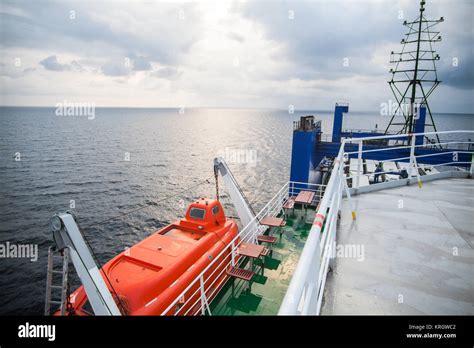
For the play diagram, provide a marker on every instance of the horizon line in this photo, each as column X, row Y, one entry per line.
column 215, row 107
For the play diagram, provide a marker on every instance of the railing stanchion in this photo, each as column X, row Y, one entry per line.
column 232, row 249
column 349, row 199
column 412, row 156
column 359, row 165
column 204, row 303
column 417, row 172
column 472, row 164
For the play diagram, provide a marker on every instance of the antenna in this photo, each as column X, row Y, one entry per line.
column 414, row 77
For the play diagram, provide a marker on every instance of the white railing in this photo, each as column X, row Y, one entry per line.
column 413, row 161
column 306, row 289
column 361, row 130
column 196, row 297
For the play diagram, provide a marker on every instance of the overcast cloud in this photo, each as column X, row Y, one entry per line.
column 218, row 53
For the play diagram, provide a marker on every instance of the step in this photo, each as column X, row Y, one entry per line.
column 266, row 239
column 240, row 273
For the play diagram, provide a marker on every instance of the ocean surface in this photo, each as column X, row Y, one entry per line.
column 123, row 158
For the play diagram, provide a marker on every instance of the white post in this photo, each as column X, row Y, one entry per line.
column 412, row 156
column 472, row 164
column 359, row 165
column 204, row 303
column 332, row 245
column 233, row 254
column 417, row 172
column 349, row 200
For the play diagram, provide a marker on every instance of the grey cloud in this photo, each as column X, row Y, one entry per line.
column 112, row 68
column 167, row 72
column 9, row 70
column 48, row 25
column 322, row 34
column 236, row 37
column 460, row 75
column 51, row 63
column 77, row 66
column 126, row 67
column 141, row 64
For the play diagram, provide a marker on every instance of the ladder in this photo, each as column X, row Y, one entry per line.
column 64, row 256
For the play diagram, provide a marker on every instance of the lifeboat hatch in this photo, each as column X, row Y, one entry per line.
column 187, row 236
column 162, row 244
column 129, row 271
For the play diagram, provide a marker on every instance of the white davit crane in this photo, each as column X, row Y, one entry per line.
column 243, row 207
column 67, row 235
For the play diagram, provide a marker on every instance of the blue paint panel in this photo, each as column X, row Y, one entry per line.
column 337, row 125
column 304, row 144
column 420, row 125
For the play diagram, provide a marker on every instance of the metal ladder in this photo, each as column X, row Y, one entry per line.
column 64, row 255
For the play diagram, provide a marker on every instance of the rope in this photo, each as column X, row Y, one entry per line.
column 216, row 177
column 146, row 205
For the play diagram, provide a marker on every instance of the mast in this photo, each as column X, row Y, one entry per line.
column 414, row 77
column 415, row 73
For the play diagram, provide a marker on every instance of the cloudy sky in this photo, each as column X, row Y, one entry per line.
column 223, row 54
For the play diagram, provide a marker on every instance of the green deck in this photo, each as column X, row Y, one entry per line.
column 267, row 290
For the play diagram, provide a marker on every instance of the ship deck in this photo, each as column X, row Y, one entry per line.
column 267, row 290
column 418, row 252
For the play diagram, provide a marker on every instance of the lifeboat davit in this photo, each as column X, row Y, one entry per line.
column 150, row 275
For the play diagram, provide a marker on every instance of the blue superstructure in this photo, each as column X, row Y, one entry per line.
column 309, row 159
column 304, row 159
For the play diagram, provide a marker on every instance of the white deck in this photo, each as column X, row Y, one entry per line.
column 418, row 258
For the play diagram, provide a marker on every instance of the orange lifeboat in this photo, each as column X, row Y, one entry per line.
column 150, row 275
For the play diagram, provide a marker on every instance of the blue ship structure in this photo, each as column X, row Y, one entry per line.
column 312, row 157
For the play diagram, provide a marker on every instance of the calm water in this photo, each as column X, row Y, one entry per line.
column 73, row 158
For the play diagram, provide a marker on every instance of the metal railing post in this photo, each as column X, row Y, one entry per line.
column 204, row 303
column 232, row 250
column 471, row 170
column 412, row 155
column 359, row 165
column 417, row 172
column 349, row 200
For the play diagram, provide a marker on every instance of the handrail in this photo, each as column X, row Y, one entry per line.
column 393, row 136
column 306, row 289
column 398, row 147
